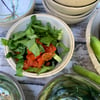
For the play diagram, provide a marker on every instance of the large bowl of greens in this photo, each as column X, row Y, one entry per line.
column 39, row 45
column 70, row 87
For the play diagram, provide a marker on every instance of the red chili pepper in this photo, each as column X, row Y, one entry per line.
column 47, row 64
column 26, row 65
column 47, row 56
column 40, row 61
column 16, row 59
column 38, row 41
column 51, row 48
column 29, row 52
column 32, row 61
column 17, row 52
column 30, row 57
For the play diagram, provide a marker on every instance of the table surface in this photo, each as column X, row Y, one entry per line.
column 32, row 86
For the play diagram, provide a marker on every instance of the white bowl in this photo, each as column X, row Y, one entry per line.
column 22, row 8
column 71, row 10
column 68, row 40
column 75, row 3
column 93, row 28
column 65, row 15
column 67, row 18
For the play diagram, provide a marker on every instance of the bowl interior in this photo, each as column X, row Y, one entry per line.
column 11, row 10
column 66, row 83
column 93, row 28
column 68, row 40
column 10, row 88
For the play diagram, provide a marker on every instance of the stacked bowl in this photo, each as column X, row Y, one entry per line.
column 70, row 11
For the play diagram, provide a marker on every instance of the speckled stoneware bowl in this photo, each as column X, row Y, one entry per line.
column 67, row 39
column 69, row 87
column 69, row 19
column 13, row 10
column 71, row 10
column 93, row 28
column 10, row 88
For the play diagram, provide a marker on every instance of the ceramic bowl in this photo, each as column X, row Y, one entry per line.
column 71, row 10
column 75, row 3
column 68, row 40
column 65, row 15
column 93, row 28
column 66, row 83
column 12, row 11
column 67, row 18
column 10, row 88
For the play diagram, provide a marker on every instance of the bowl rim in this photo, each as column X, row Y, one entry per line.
column 90, row 51
column 15, row 83
column 68, row 75
column 75, row 6
column 54, row 71
column 57, row 4
column 16, row 19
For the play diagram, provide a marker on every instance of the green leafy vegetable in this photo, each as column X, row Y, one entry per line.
column 46, row 40
column 63, row 48
column 45, row 69
column 19, row 67
column 33, row 47
column 4, row 42
column 18, row 35
column 9, row 54
column 39, row 71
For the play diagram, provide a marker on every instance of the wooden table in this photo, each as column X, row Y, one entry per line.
column 32, row 86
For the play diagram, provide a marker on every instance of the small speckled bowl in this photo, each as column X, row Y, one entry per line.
column 10, row 88
column 70, row 10
column 59, row 81
column 67, row 39
column 13, row 10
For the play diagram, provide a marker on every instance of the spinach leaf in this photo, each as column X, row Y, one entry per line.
column 46, row 40
column 34, row 70
column 43, row 28
column 11, row 44
column 38, row 70
column 63, row 48
column 55, row 33
column 19, row 67
column 4, row 41
column 35, row 21
column 41, row 48
column 33, row 47
column 9, row 54
column 45, row 69
column 29, row 32
column 18, row 35
column 22, row 41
